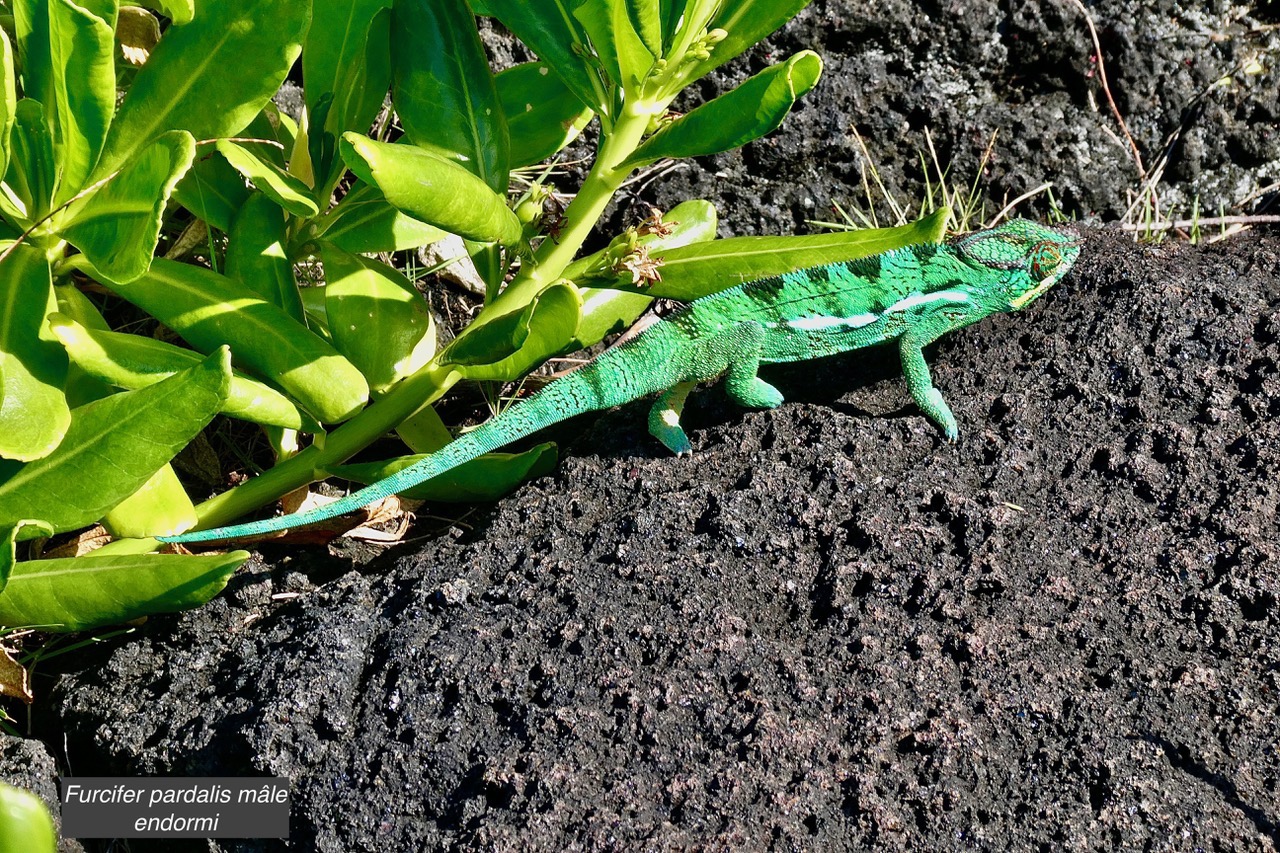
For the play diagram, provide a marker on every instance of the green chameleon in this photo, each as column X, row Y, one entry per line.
column 911, row 295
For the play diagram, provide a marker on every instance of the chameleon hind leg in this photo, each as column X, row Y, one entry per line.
column 920, row 383
column 664, row 418
column 739, row 349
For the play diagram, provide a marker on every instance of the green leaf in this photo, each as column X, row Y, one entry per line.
column 347, row 55
column 10, row 535
column 550, row 31
column 486, row 478
column 671, row 11
column 112, row 447
column 161, row 507
column 178, row 11
column 364, row 222
column 433, row 190
column 646, row 20
column 704, row 268
column 615, row 40
column 284, row 189
column 212, row 190
column 737, row 117
column 209, row 310
column 509, row 346
column 32, row 171
column 80, row 593
column 543, row 116
column 377, row 318
column 270, row 136
column 68, row 58
column 118, row 226
column 256, row 254
column 443, row 89
column 25, row 823
column 34, row 414
column 132, row 362
column 8, row 98
column 209, row 77
column 745, row 22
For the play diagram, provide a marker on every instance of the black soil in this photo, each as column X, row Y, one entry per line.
column 828, row 629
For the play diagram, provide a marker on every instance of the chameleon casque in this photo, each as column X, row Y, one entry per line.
column 910, row 296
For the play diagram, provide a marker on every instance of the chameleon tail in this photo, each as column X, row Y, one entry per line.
column 595, row 386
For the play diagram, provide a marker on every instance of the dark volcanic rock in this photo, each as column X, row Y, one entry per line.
column 828, row 629
column 962, row 69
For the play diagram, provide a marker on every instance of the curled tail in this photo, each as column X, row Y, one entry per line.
column 611, row 380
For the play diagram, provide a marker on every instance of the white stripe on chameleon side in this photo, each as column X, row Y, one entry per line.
column 817, row 324
column 918, row 299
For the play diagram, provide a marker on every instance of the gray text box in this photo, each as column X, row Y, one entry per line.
column 175, row 807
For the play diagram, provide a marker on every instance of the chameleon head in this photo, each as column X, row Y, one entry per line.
column 1035, row 257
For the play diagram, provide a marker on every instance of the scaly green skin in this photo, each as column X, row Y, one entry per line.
column 912, row 296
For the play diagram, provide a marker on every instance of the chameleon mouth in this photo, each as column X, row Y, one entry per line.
column 1034, row 293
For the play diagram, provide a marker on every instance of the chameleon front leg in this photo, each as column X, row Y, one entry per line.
column 744, row 343
column 920, row 383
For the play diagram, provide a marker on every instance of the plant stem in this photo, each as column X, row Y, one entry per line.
column 422, row 388
column 582, row 215
column 432, row 381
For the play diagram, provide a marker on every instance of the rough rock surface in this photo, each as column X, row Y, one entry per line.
column 829, row 629
column 1181, row 74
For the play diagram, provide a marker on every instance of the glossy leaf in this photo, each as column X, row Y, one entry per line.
column 8, row 97
column 364, row 222
column 376, row 317
column 613, row 36
column 112, row 447
column 745, row 23
column 270, row 136
column 443, row 89
column 25, row 823
column 347, row 55
column 508, row 347
column 132, row 362
column 159, row 508
column 486, row 478
column 748, row 112
column 32, row 171
column 118, row 226
column 68, row 58
column 704, row 268
column 284, row 189
column 256, row 254
column 543, row 116
column 80, row 593
column 212, row 190
column 33, row 409
column 432, row 189
column 646, row 19
column 209, row 77
column 550, row 31
column 209, row 310
column 178, row 11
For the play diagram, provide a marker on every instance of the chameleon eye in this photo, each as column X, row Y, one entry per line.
column 1045, row 260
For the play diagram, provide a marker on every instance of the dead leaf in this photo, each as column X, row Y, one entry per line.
column 13, row 678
